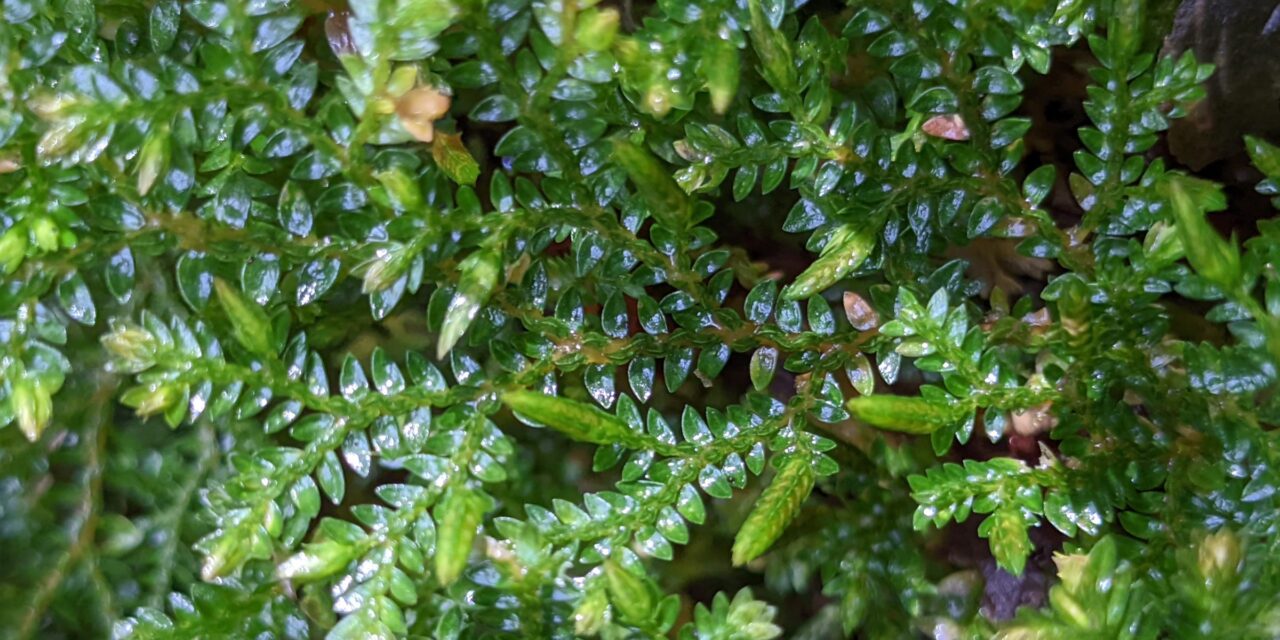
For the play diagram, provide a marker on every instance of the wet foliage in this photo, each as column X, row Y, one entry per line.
column 555, row 318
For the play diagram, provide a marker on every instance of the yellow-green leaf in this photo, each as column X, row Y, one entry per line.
column 249, row 322
column 459, row 515
column 597, row 28
column 774, row 51
column 577, row 420
column 386, row 266
column 721, row 69
column 907, row 414
column 453, row 158
column 1210, row 255
column 228, row 551
column 13, row 248
column 1006, row 533
column 774, row 510
column 1265, row 156
column 667, row 201
column 588, row 616
column 848, row 248
column 316, row 560
column 401, row 189
column 153, row 158
column 32, row 405
column 630, row 594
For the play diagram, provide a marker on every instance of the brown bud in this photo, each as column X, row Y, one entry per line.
column 1034, row 421
column 1039, row 318
column 859, row 312
column 1016, row 227
column 418, row 110
column 948, row 127
column 10, row 163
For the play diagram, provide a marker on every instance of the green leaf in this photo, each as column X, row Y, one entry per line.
column 759, row 303
column 401, row 189
column 1006, row 532
column 632, row 596
column 120, row 276
column 1209, row 254
column 1038, row 184
column 667, row 201
column 861, row 375
column 163, row 25
column 315, row 278
column 478, row 277
column 458, row 515
column 866, row 22
column 712, row 480
column 13, row 249
column 821, row 320
column 986, row 213
column 360, row 626
column 640, row 375
column 589, row 615
column 613, row 316
column 195, row 282
column 675, row 368
column 994, row 79
column 596, row 28
column 722, row 73
column 935, row 100
column 774, row 51
column 74, row 296
column 689, row 504
column 711, row 361
column 249, row 322
column 260, row 277
column 294, row 211
column 227, row 553
column 316, row 560
column 774, row 510
column 32, row 404
column 850, row 245
column 763, row 362
column 495, row 108
column 743, row 618
column 1265, row 156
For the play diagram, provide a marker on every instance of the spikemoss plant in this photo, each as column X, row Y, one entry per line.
column 463, row 318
